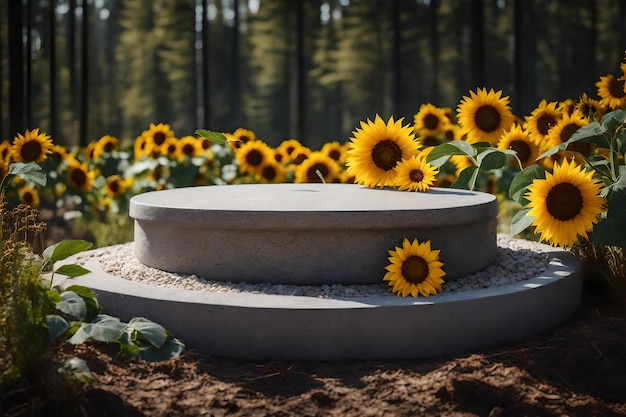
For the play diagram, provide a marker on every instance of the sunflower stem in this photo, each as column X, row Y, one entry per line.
column 319, row 174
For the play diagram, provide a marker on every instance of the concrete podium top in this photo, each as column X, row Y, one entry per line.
column 289, row 203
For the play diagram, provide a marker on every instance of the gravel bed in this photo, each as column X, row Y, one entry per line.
column 517, row 260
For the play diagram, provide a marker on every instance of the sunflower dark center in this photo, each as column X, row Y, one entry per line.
column 269, row 173
column 487, row 118
column 564, row 201
column 278, row 157
column 114, row 186
column 430, row 140
column 544, row 123
column 188, row 149
column 244, row 138
column 109, row 147
column 312, row 176
column 28, row 198
column 206, row 144
column 416, row 175
column 568, row 131
column 31, row 150
column 386, row 154
column 300, row 158
column 616, row 88
column 449, row 134
column 431, row 121
column 78, row 176
column 522, row 149
column 415, row 269
column 335, row 154
column 171, row 148
column 254, row 157
column 159, row 138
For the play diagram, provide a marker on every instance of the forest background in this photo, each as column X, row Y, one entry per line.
column 307, row 69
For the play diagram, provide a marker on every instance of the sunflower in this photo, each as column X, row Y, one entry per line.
column 623, row 77
column 484, row 116
column 428, row 139
column 335, row 150
column 31, row 147
column 588, row 106
column 252, row 155
column 288, row 146
column 430, row 119
column 170, row 148
column 59, row 153
column 190, row 147
column 612, row 92
column 567, row 106
column 240, row 137
column 116, row 185
column 105, row 145
column 5, row 150
column 415, row 269
column 317, row 161
column 28, row 195
column 415, row 174
column 140, row 147
column 300, row 154
column 156, row 136
column 452, row 131
column 565, row 128
column 521, row 142
column 376, row 148
column 79, row 175
column 541, row 119
column 272, row 172
column 565, row 204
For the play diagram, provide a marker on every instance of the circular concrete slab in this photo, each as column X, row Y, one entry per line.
column 308, row 233
column 261, row 326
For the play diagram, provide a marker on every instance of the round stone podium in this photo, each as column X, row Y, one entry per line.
column 309, row 234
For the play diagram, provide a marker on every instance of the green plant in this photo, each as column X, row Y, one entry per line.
column 35, row 313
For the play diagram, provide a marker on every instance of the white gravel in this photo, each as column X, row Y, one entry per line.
column 517, row 260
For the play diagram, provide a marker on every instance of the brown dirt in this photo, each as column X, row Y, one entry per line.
column 578, row 369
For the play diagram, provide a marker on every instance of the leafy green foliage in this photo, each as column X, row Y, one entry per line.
column 214, row 137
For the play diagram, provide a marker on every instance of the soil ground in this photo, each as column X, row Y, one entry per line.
column 578, row 369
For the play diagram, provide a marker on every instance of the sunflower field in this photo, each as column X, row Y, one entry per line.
column 558, row 172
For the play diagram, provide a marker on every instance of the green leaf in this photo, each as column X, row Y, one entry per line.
column 93, row 306
column 612, row 120
column 64, row 249
column 56, row 325
column 494, row 159
column 103, row 329
column 467, row 178
column 152, row 332
column 440, row 153
column 169, row 350
column 72, row 304
column 522, row 180
column 521, row 221
column 72, row 270
column 77, row 369
column 214, row 137
column 30, row 172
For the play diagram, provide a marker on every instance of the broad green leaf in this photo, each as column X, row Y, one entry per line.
column 72, row 304
column 445, row 150
column 612, row 120
column 522, row 180
column 93, row 306
column 467, row 178
column 57, row 326
column 169, row 350
column 72, row 270
column 493, row 159
column 64, row 249
column 214, row 137
column 77, row 369
column 53, row 296
column 610, row 232
column 521, row 221
column 152, row 332
column 30, row 172
column 103, row 329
